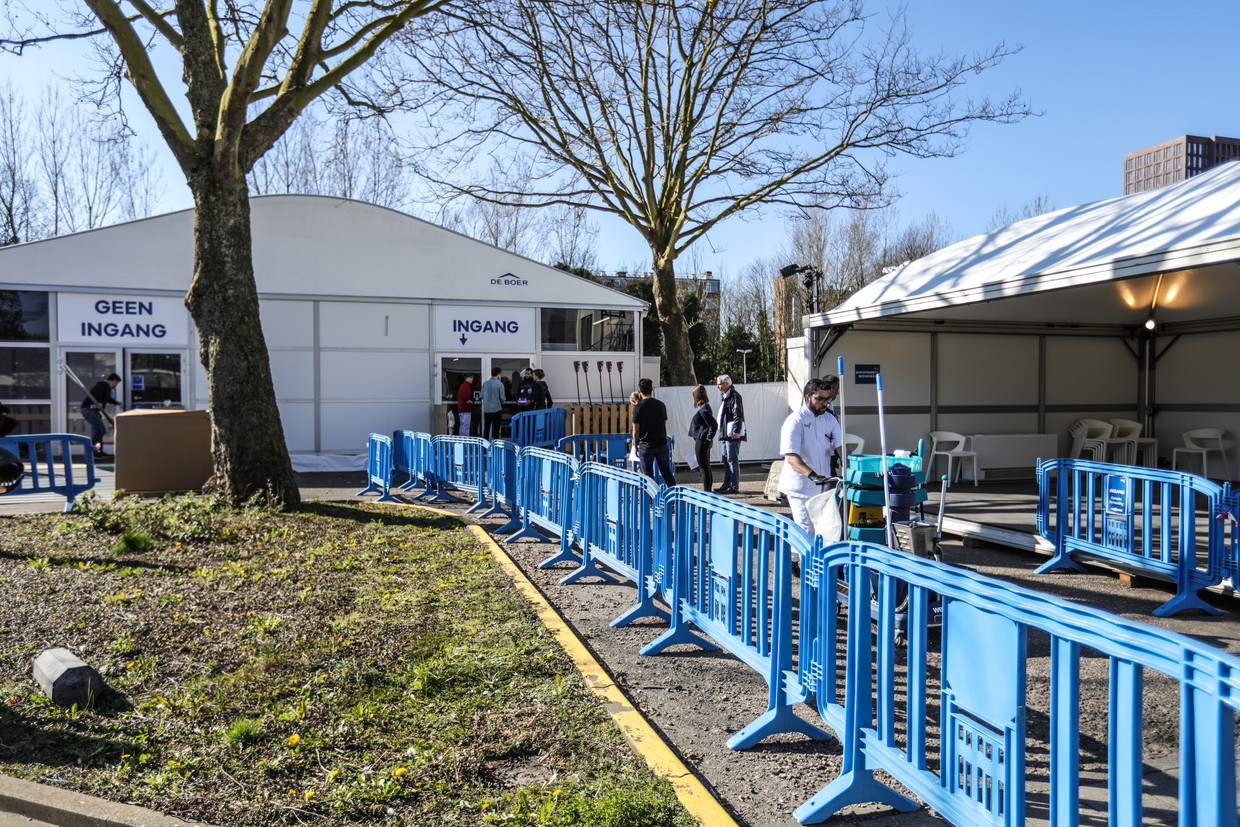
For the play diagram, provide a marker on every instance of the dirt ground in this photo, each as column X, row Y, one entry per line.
column 698, row 699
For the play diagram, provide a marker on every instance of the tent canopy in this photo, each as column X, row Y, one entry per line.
column 1103, row 268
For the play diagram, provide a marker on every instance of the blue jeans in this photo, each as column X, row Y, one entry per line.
column 648, row 458
column 95, row 419
column 731, row 463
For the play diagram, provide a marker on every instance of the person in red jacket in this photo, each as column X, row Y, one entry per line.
column 465, row 405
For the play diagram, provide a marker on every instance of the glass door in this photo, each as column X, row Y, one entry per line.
column 153, row 379
column 82, row 369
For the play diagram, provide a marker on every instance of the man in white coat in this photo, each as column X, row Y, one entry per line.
column 808, row 440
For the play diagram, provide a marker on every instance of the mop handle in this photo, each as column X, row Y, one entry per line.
column 942, row 502
column 839, row 374
column 882, row 441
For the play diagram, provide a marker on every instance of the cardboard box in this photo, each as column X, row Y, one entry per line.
column 163, row 451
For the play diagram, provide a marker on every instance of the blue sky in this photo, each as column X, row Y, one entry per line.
column 1109, row 77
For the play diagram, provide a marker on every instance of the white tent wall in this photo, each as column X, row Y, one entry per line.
column 1197, row 388
column 766, row 408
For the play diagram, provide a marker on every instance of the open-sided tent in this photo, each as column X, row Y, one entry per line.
column 1027, row 328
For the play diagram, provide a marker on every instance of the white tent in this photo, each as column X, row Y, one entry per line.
column 1032, row 326
column 371, row 317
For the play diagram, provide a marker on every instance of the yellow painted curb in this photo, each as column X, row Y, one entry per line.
column 637, row 730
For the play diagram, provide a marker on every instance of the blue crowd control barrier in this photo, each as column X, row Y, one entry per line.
column 402, row 459
column 1140, row 518
column 545, row 488
column 732, row 578
column 49, row 464
column 423, row 458
column 616, row 527
column 379, row 468
column 658, row 475
column 460, row 463
column 608, row 449
column 502, row 480
column 539, row 429
column 983, row 699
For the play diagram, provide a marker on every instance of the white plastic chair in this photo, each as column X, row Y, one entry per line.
column 1144, row 447
column 1202, row 441
column 853, row 444
column 1116, row 449
column 955, row 449
column 1083, row 443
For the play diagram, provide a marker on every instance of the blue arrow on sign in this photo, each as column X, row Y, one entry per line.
column 462, row 340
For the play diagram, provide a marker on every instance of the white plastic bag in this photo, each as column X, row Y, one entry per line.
column 824, row 513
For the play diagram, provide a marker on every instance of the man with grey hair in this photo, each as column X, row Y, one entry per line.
column 731, row 434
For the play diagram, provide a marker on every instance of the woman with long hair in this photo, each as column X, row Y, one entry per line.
column 702, row 429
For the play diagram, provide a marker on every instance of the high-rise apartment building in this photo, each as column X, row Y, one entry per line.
column 1183, row 157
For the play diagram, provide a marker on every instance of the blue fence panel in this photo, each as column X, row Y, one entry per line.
column 502, row 480
column 48, row 461
column 1139, row 518
column 607, row 449
column 379, row 468
column 423, row 455
column 460, row 463
column 982, row 699
column 545, row 488
column 539, row 429
column 402, row 459
column 732, row 578
column 616, row 528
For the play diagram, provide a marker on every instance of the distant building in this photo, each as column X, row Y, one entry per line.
column 704, row 285
column 1171, row 161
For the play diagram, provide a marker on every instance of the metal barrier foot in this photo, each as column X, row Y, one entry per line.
column 852, row 787
column 645, row 607
column 673, row 636
column 1185, row 602
column 565, row 555
column 773, row 722
column 588, row 569
column 514, row 522
column 1059, row 561
column 527, row 532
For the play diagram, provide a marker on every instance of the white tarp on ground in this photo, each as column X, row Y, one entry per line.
column 766, row 408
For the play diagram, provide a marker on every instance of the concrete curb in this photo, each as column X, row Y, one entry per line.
column 642, row 737
column 65, row 808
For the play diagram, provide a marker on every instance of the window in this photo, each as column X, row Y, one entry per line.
column 25, row 373
column 24, row 316
column 1158, row 155
column 571, row 329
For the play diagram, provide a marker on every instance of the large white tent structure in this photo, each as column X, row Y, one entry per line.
column 1030, row 327
column 372, row 318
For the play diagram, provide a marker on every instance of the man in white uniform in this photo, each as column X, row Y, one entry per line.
column 809, row 438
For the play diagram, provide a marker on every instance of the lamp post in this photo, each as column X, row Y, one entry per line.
column 744, row 352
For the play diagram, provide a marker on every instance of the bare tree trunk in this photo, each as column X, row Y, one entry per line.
column 676, row 348
column 247, row 439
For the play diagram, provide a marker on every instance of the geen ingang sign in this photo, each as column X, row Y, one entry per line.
column 122, row 320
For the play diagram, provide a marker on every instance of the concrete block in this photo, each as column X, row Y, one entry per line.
column 66, row 679
column 771, row 490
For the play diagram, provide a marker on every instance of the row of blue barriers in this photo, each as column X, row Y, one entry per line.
column 724, row 568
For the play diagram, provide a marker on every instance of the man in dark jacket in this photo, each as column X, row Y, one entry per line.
column 542, row 394
column 650, row 434
column 96, row 400
column 731, row 434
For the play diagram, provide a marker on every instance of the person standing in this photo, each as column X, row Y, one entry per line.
column 650, row 434
column 99, row 397
column 731, row 434
column 809, row 440
column 492, row 404
column 525, row 391
column 542, row 394
column 702, row 428
column 465, row 405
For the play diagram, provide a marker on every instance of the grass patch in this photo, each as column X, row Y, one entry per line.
column 339, row 664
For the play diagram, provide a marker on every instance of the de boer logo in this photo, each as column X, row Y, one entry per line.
column 509, row 280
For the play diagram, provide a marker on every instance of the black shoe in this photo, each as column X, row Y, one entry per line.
column 723, row 489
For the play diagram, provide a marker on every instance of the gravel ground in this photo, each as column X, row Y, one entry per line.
column 698, row 699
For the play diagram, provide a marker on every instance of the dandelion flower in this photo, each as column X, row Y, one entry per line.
column 399, row 771
column 294, row 739
column 309, row 794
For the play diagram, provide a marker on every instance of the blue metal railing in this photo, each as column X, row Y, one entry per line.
column 379, row 468
column 545, row 487
column 732, row 578
column 48, row 460
column 608, row 449
column 539, row 429
column 1139, row 518
column 460, row 463
column 502, row 482
column 616, row 528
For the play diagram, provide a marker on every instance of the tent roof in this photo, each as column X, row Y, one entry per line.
column 309, row 245
column 1174, row 250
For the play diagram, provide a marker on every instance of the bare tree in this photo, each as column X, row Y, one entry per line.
column 677, row 116
column 572, row 237
column 19, row 191
column 1037, row 205
column 247, row 73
